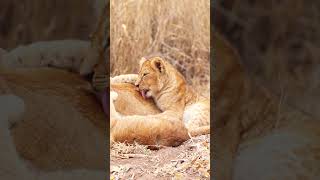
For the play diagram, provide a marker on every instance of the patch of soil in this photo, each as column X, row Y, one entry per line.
column 191, row 160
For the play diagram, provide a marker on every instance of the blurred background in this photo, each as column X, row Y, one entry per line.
column 178, row 30
column 27, row 21
column 279, row 44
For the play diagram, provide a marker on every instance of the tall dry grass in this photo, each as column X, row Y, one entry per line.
column 177, row 29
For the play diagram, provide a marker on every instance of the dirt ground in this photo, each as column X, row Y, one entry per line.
column 191, row 160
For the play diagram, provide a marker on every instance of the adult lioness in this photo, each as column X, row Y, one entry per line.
column 167, row 87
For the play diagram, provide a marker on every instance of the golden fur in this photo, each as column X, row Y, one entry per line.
column 161, row 82
column 127, row 96
column 46, row 134
column 158, row 129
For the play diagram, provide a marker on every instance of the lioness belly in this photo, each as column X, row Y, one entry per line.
column 130, row 102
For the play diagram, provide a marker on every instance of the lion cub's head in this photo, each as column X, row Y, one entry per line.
column 153, row 76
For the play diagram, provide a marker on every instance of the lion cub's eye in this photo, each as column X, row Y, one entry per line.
column 144, row 74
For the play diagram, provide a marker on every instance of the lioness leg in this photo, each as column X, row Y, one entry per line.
column 124, row 78
column 202, row 130
column 161, row 129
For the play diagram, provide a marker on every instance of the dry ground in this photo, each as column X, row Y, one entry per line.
column 191, row 160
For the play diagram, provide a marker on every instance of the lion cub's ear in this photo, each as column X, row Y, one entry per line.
column 142, row 60
column 158, row 64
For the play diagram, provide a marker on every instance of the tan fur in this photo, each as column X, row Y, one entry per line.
column 164, row 129
column 161, row 129
column 173, row 99
column 55, row 101
column 197, row 108
column 130, row 102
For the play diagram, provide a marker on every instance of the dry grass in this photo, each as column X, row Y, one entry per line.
column 178, row 30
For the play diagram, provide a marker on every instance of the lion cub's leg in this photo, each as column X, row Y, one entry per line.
column 197, row 118
column 124, row 78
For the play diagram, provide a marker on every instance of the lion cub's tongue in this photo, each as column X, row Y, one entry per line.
column 143, row 93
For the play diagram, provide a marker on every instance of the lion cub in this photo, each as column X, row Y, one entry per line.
column 160, row 81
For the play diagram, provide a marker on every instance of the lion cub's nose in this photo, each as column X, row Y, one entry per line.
column 137, row 83
column 137, row 86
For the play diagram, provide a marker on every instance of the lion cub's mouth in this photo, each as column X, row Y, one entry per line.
column 145, row 93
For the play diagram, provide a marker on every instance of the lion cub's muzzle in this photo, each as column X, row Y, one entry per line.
column 145, row 92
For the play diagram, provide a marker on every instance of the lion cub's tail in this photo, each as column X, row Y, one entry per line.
column 203, row 130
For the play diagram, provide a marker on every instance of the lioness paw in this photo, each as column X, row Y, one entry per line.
column 125, row 78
